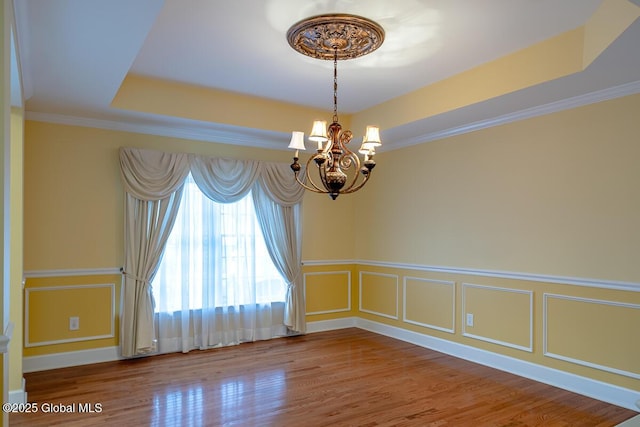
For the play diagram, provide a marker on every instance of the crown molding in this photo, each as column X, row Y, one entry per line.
column 176, row 128
column 259, row 138
column 540, row 110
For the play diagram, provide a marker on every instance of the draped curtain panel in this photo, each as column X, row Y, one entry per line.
column 279, row 216
column 153, row 183
column 147, row 227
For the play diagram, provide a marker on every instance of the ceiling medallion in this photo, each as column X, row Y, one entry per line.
column 321, row 36
column 340, row 170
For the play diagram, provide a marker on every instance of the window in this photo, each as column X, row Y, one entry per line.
column 215, row 257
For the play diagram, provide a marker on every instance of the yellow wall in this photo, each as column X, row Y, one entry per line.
column 555, row 194
column 544, row 61
column 552, row 195
column 174, row 99
column 73, row 223
column 606, row 24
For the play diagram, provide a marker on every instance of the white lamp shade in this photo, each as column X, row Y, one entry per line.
column 297, row 140
column 319, row 131
column 368, row 148
column 372, row 137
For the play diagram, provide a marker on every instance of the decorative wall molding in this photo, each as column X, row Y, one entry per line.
column 320, row 273
column 320, row 263
column 585, row 386
column 71, row 272
column 463, row 310
column 372, row 273
column 405, row 319
column 565, row 358
column 544, row 278
column 27, row 293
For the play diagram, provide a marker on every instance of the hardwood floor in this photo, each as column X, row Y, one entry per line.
column 348, row 377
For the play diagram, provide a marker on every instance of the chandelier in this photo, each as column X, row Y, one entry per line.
column 335, row 37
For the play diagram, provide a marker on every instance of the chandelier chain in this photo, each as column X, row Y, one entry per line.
column 335, row 84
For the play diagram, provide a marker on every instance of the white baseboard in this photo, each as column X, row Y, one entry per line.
column 632, row 422
column 18, row 396
column 330, row 325
column 71, row 358
column 613, row 394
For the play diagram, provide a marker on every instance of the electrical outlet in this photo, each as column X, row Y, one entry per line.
column 74, row 323
column 469, row 319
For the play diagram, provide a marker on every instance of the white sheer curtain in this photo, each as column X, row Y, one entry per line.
column 156, row 179
column 228, row 290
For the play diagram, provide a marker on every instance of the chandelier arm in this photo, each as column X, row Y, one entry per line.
column 354, row 189
column 353, row 161
column 347, row 157
column 316, row 189
column 308, row 173
column 305, row 186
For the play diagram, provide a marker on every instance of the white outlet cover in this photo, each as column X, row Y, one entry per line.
column 469, row 319
column 74, row 323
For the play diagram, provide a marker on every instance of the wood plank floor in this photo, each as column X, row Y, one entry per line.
column 347, row 377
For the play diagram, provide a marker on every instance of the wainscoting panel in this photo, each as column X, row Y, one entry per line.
column 379, row 294
column 429, row 303
column 595, row 333
column 48, row 309
column 327, row 292
column 500, row 315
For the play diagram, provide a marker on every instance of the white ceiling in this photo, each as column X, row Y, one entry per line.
column 76, row 53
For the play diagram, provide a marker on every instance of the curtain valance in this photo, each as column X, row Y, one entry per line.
column 150, row 174
column 154, row 175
